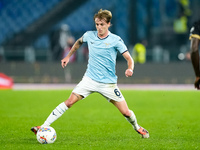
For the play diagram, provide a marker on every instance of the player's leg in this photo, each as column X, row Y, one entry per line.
column 82, row 90
column 114, row 95
column 128, row 114
column 130, row 117
column 59, row 110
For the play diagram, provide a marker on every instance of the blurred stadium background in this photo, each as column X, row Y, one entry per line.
column 36, row 34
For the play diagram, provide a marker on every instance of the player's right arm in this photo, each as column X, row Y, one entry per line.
column 74, row 48
column 194, row 51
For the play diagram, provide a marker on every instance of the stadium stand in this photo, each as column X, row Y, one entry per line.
column 25, row 21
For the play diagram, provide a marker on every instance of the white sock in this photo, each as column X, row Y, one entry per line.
column 133, row 121
column 56, row 113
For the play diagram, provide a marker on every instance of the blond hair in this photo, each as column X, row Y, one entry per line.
column 103, row 14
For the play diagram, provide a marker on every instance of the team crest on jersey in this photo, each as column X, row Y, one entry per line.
column 107, row 44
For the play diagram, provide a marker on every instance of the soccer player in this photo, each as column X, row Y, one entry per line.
column 100, row 74
column 194, row 51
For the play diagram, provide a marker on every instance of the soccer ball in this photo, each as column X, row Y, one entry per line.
column 46, row 135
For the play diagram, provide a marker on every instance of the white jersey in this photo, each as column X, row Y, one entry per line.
column 102, row 56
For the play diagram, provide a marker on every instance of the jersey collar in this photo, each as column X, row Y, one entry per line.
column 104, row 37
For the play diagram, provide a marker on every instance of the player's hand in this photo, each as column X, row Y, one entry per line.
column 197, row 83
column 128, row 72
column 64, row 62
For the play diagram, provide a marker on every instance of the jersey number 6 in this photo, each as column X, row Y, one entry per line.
column 117, row 92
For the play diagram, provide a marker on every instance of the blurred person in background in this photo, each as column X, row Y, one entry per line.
column 139, row 52
column 70, row 42
column 100, row 75
column 181, row 23
column 194, row 51
column 58, row 40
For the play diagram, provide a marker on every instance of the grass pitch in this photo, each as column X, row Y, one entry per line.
column 171, row 117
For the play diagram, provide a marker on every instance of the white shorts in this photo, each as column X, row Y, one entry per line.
column 87, row 86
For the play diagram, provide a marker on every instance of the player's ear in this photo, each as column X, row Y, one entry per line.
column 109, row 24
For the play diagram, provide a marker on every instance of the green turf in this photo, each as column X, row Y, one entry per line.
column 171, row 117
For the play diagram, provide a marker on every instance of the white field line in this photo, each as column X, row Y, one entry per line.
column 176, row 87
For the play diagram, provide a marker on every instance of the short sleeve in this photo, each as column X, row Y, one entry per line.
column 120, row 46
column 85, row 37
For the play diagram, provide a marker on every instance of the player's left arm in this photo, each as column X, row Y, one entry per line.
column 130, row 64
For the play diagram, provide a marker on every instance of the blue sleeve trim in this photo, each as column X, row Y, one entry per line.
column 124, row 51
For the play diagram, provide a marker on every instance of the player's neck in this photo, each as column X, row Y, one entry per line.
column 104, row 35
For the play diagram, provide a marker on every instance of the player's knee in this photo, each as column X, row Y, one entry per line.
column 69, row 103
column 72, row 99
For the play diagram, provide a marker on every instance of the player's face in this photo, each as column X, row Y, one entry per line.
column 102, row 27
